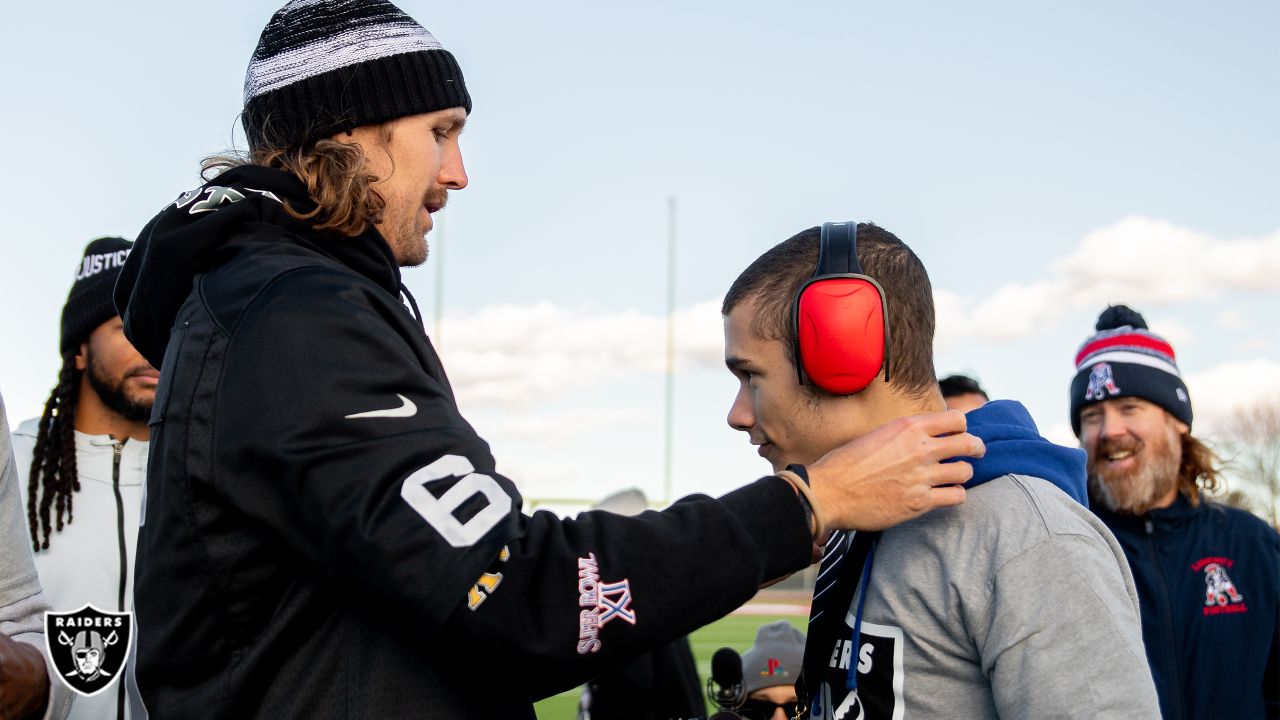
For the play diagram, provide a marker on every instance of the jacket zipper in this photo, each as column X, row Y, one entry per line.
column 118, row 450
column 1166, row 604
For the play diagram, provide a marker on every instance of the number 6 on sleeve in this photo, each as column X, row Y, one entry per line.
column 439, row 511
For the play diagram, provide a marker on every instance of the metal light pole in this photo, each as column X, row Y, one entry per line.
column 671, row 347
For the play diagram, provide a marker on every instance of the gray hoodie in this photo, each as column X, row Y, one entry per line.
column 1017, row 604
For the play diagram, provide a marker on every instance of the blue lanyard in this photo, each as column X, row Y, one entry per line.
column 852, row 683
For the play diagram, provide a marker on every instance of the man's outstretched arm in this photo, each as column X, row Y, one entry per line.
column 895, row 472
column 409, row 507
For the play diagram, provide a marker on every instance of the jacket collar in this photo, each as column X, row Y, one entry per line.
column 95, row 458
column 207, row 227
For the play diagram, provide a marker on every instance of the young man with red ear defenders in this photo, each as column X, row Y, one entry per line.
column 1017, row 604
column 839, row 321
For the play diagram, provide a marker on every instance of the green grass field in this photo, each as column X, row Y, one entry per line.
column 735, row 631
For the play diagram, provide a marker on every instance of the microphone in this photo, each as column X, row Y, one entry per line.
column 726, row 672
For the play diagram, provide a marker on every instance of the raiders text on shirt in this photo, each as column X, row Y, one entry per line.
column 70, row 621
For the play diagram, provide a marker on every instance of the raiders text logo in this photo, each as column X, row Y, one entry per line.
column 88, row 647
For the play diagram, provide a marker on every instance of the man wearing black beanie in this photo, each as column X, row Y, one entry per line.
column 1207, row 574
column 84, row 460
column 324, row 535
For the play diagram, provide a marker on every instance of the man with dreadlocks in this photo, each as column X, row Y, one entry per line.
column 85, row 458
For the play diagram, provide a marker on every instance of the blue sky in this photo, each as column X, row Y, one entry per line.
column 1042, row 159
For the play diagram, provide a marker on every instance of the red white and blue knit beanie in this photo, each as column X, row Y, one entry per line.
column 325, row 66
column 1125, row 359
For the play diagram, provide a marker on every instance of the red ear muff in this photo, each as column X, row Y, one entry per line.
column 840, row 324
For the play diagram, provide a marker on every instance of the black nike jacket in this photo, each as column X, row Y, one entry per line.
column 324, row 536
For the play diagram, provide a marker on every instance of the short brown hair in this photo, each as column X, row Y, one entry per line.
column 776, row 276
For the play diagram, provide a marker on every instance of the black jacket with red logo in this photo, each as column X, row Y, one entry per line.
column 1208, row 581
column 324, row 536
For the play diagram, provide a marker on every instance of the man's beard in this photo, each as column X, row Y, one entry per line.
column 113, row 394
column 409, row 243
column 1136, row 491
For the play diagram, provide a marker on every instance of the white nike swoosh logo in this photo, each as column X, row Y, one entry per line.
column 408, row 409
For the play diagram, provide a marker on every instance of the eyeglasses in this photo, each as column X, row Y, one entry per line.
column 764, row 709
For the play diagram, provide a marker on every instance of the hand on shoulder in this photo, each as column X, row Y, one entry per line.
column 894, row 473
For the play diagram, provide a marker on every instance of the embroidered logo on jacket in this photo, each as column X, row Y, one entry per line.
column 1100, row 380
column 603, row 602
column 1220, row 594
column 488, row 582
column 88, row 647
column 215, row 197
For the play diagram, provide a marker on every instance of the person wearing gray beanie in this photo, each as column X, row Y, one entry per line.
column 770, row 670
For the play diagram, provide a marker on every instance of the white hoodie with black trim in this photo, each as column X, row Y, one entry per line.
column 90, row 561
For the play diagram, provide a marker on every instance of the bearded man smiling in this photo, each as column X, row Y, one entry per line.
column 1206, row 574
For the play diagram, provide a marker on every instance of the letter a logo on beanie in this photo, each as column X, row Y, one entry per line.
column 1100, row 380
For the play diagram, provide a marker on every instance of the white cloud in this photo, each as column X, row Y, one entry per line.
column 1015, row 310
column 518, row 355
column 1143, row 260
column 1232, row 319
column 953, row 318
column 564, row 427
column 1178, row 333
column 1251, row 345
column 1061, row 434
column 1218, row 391
column 1137, row 261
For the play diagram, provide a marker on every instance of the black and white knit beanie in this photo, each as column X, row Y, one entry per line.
column 90, row 302
column 1125, row 359
column 325, row 66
